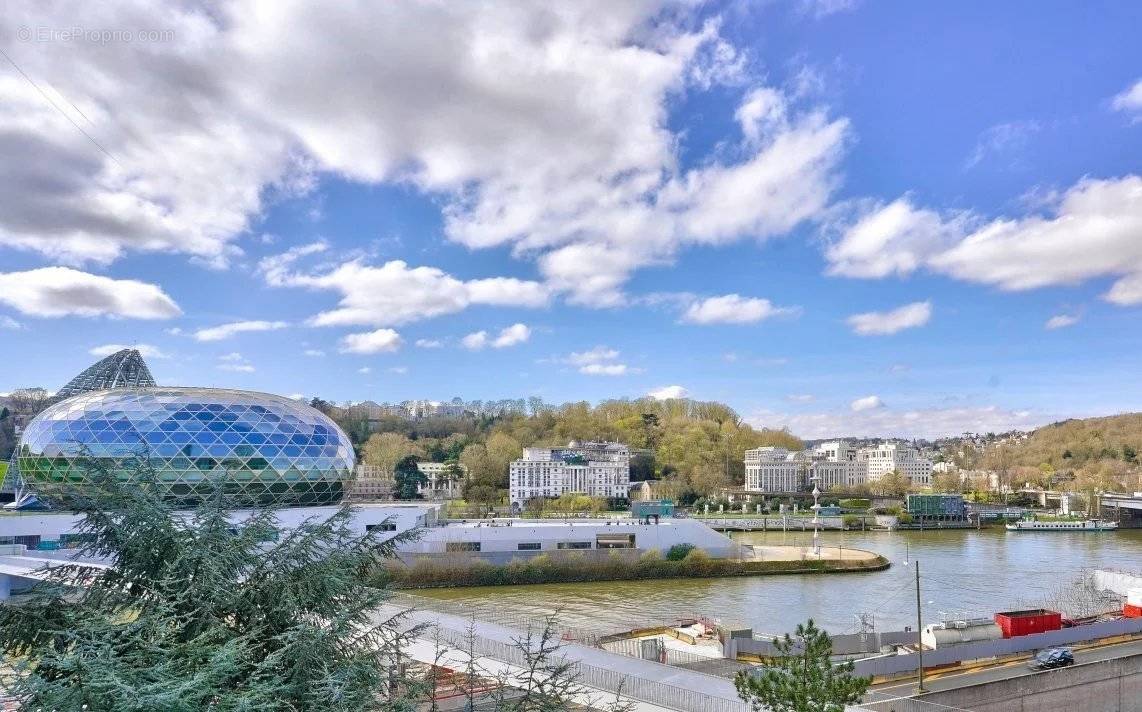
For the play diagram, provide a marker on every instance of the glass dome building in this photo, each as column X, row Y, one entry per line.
column 262, row 449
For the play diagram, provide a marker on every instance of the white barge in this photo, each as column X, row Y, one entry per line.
column 1087, row 525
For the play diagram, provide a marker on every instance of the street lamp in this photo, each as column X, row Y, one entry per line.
column 816, row 518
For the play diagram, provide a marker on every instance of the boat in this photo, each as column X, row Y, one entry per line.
column 1087, row 525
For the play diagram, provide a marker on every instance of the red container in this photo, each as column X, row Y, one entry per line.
column 1130, row 611
column 1037, row 620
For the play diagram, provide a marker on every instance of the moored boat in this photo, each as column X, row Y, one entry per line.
column 1087, row 525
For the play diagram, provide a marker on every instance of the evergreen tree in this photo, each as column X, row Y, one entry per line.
column 407, row 478
column 205, row 610
column 803, row 679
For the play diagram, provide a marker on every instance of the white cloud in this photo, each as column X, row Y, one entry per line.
column 398, row 370
column 823, row 8
column 238, row 367
column 1129, row 100
column 61, row 291
column 297, row 396
column 510, row 336
column 235, row 362
column 225, row 331
column 7, row 322
column 315, row 353
column 604, row 369
column 364, row 370
column 174, row 331
column 595, row 355
column 866, row 403
column 731, row 309
column 372, row 342
column 145, row 350
column 887, row 422
column 547, row 130
column 598, row 361
column 1060, row 321
column 668, row 393
column 395, row 294
column 896, row 238
column 908, row 316
column 800, row 398
column 429, row 343
column 475, row 341
column 1092, row 231
column 1006, row 141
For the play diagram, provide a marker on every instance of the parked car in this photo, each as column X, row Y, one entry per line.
column 1052, row 658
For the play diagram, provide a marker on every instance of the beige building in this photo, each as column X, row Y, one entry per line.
column 374, row 484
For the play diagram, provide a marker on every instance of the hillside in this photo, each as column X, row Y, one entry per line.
column 695, row 446
column 1097, row 453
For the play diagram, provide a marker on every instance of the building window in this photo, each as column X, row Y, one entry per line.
column 455, row 546
column 615, row 541
column 528, row 546
column 574, row 545
column 383, row 526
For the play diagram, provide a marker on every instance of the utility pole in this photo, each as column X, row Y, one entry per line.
column 919, row 634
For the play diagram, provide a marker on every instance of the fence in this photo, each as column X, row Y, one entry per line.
column 637, row 688
column 898, row 664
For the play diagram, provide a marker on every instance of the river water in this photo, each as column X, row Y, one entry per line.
column 965, row 572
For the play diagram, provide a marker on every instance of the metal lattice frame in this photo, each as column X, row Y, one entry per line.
column 122, row 369
column 260, row 449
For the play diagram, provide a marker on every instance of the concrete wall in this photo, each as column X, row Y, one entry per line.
column 1105, row 686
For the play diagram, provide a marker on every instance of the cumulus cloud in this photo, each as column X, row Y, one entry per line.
column 908, row 316
column 1060, row 321
column 545, row 130
column 510, row 336
column 372, row 342
column 395, row 294
column 598, row 361
column 62, row 291
column 866, row 403
column 1091, row 230
column 364, row 370
column 225, row 331
column 887, row 422
column 887, row 239
column 145, row 350
column 7, row 322
column 668, row 393
column 1129, row 100
column 731, row 309
column 429, row 343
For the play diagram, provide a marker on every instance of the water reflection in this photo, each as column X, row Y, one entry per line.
column 962, row 572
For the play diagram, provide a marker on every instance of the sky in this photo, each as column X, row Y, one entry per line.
column 836, row 216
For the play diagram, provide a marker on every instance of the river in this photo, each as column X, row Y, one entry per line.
column 963, row 572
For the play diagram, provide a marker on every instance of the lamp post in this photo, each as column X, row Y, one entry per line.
column 816, row 518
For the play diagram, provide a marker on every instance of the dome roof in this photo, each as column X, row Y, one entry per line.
column 122, row 369
column 261, row 449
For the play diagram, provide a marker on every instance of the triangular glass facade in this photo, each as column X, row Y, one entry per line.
column 262, row 449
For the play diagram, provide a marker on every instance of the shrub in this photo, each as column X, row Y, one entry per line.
column 679, row 552
column 851, row 520
column 855, row 504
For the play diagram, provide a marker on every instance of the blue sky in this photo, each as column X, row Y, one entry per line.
column 839, row 217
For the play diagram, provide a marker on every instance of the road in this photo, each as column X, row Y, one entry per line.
column 938, row 681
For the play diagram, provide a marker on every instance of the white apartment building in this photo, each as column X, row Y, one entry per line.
column 887, row 457
column 831, row 464
column 373, row 483
column 773, row 469
column 597, row 469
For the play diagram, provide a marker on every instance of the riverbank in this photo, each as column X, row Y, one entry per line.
column 450, row 572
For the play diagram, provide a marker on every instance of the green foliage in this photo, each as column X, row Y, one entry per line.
column 205, row 610
column 861, row 504
column 407, row 477
column 679, row 552
column 851, row 521
column 803, row 678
